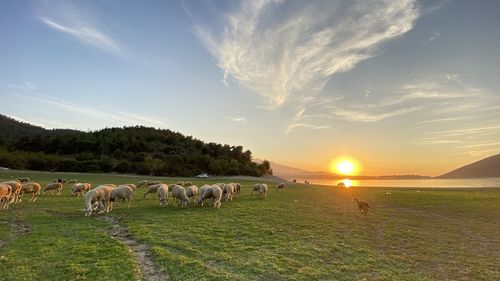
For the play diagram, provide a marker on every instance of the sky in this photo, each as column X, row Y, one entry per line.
column 401, row 87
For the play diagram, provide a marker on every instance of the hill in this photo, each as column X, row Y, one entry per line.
column 141, row 150
column 485, row 168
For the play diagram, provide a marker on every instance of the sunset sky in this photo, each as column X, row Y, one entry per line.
column 402, row 87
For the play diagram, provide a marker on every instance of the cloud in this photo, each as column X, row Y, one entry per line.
column 237, row 119
column 80, row 23
column 119, row 117
column 26, row 85
column 360, row 116
column 283, row 52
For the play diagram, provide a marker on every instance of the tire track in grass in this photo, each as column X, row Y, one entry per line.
column 148, row 268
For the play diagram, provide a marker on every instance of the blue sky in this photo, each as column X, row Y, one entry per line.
column 400, row 86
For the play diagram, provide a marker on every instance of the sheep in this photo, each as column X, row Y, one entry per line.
column 153, row 183
column 105, row 201
column 163, row 194
column 188, row 183
column 151, row 189
column 131, row 185
column 5, row 192
column 80, row 189
column 123, row 192
column 200, row 192
column 73, row 181
column 263, row 190
column 92, row 200
column 221, row 184
column 214, row 192
column 15, row 190
column 280, row 186
column 23, row 180
column 228, row 191
column 179, row 193
column 180, row 183
column 191, row 191
column 53, row 186
column 362, row 206
column 255, row 188
column 59, row 180
column 33, row 188
column 238, row 187
column 142, row 183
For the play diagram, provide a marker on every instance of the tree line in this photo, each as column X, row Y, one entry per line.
column 139, row 150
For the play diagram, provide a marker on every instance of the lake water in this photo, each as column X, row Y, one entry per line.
column 421, row 183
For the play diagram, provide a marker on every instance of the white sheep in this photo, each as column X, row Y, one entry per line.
column 201, row 190
column 33, row 188
column 181, row 183
column 80, row 189
column 191, row 191
column 142, row 183
column 163, row 194
column 263, row 190
column 92, row 199
column 123, row 192
column 255, row 189
column 228, row 191
column 105, row 203
column 188, row 183
column 179, row 193
column 151, row 189
column 214, row 192
column 73, row 181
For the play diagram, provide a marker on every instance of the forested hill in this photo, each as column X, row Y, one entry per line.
column 140, row 150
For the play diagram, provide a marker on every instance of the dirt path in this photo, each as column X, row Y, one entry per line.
column 18, row 228
column 148, row 268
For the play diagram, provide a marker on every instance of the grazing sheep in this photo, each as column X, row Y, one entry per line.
column 33, row 188
column 181, row 183
column 73, row 181
column 142, row 183
column 200, row 192
column 5, row 191
column 188, row 183
column 362, row 206
column 213, row 192
column 105, row 202
column 23, row 180
column 92, row 200
column 228, row 191
column 263, row 190
column 80, row 189
column 123, row 192
column 255, row 189
column 131, row 185
column 151, row 189
column 163, row 195
column 15, row 190
column 220, row 184
column 238, row 187
column 179, row 193
column 57, row 186
column 153, row 183
column 191, row 191
column 280, row 186
column 59, row 180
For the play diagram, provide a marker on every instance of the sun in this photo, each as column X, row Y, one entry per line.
column 344, row 167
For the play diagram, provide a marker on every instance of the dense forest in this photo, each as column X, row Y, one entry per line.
column 140, row 150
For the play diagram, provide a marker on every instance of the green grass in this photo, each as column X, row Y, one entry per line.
column 303, row 233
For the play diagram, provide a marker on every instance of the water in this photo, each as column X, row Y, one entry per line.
column 420, row 183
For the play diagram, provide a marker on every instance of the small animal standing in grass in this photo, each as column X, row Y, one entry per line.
column 280, row 186
column 362, row 206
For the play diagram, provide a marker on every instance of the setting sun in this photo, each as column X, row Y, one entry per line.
column 344, row 166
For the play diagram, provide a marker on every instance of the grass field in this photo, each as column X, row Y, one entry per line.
column 302, row 233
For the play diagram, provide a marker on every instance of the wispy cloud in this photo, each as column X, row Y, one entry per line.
column 362, row 116
column 282, row 56
column 237, row 119
column 119, row 117
column 79, row 22
column 26, row 85
column 435, row 35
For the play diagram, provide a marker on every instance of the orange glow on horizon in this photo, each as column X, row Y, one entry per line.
column 344, row 166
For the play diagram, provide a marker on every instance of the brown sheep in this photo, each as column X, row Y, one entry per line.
column 15, row 191
column 57, row 186
column 151, row 189
column 280, row 186
column 33, row 188
column 80, row 189
column 5, row 191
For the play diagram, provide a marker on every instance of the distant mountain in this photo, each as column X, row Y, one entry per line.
column 485, row 168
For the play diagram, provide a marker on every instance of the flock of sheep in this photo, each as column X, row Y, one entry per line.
column 101, row 198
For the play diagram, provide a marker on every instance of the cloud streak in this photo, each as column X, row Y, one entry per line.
column 80, row 24
column 285, row 56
